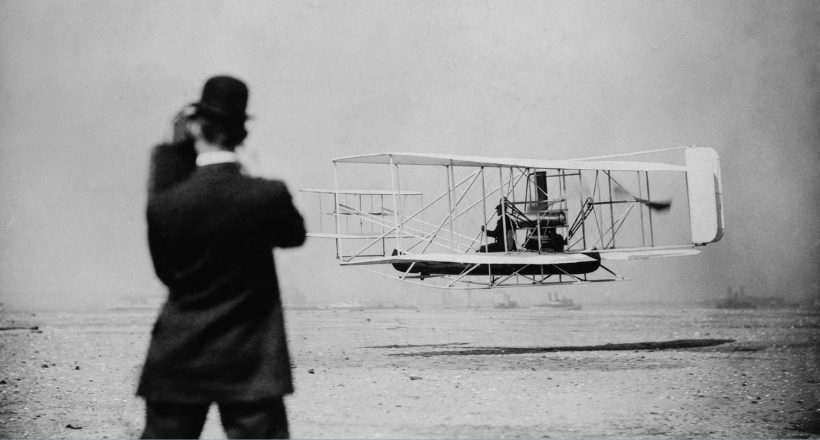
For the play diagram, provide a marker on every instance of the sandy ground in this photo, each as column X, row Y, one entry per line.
column 470, row 373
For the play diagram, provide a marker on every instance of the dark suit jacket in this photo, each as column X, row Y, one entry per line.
column 211, row 231
column 498, row 235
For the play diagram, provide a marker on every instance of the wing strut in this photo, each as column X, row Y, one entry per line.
column 613, row 273
column 463, row 274
column 585, row 211
column 408, row 271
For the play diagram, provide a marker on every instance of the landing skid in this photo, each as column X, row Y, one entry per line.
column 478, row 282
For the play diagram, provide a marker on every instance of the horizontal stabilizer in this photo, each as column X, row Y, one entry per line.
column 362, row 192
column 353, row 236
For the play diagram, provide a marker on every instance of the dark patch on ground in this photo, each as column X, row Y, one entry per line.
column 665, row 345
column 803, row 345
column 811, row 424
column 418, row 346
column 3, row 329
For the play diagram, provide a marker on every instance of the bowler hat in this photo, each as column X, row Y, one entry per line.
column 223, row 97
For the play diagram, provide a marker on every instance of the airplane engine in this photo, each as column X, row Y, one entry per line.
column 552, row 218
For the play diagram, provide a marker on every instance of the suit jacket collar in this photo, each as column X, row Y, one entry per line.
column 215, row 157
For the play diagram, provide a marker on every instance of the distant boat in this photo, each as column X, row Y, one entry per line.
column 139, row 302
column 735, row 301
column 508, row 303
column 357, row 306
column 559, row 303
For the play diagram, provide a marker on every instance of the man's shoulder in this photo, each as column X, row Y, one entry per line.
column 178, row 150
column 265, row 186
column 265, row 182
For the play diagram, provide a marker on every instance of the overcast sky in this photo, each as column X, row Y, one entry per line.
column 87, row 87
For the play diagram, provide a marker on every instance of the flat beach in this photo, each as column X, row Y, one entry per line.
column 453, row 373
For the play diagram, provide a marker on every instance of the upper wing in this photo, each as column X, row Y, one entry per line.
column 477, row 161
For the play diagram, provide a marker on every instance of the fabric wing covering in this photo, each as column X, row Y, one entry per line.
column 477, row 161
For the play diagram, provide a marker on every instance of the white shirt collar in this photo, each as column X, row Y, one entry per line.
column 215, row 157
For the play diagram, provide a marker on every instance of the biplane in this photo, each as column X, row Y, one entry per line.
column 428, row 218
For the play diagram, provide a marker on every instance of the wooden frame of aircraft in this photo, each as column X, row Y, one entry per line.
column 558, row 221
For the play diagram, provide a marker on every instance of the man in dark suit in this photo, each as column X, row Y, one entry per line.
column 220, row 337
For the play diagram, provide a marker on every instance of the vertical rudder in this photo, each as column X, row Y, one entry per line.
column 705, row 194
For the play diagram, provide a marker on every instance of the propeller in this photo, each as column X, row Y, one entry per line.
column 662, row 206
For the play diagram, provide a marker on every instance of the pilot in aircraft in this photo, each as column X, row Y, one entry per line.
column 498, row 234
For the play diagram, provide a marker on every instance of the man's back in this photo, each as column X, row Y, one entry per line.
column 221, row 335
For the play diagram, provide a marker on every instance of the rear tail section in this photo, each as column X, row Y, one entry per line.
column 705, row 194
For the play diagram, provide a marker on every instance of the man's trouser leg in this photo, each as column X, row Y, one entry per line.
column 256, row 419
column 174, row 419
